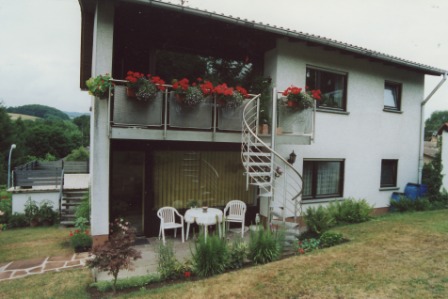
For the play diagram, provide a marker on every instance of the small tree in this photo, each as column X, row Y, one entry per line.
column 432, row 175
column 116, row 253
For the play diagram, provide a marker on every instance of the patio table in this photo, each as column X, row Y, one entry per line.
column 211, row 217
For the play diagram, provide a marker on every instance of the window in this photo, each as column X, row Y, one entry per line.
column 323, row 178
column 389, row 173
column 333, row 86
column 392, row 96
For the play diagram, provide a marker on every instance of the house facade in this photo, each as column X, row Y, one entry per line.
column 148, row 155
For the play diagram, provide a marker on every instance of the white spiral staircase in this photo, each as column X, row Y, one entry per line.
column 279, row 183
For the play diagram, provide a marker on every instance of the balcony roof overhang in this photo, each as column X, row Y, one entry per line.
column 260, row 36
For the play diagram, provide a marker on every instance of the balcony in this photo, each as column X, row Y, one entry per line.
column 164, row 118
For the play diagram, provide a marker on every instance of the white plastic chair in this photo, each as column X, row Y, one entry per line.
column 167, row 217
column 236, row 213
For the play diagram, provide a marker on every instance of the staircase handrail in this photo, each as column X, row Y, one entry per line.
column 253, row 134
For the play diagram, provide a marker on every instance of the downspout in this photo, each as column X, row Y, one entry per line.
column 422, row 127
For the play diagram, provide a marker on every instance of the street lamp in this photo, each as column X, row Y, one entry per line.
column 13, row 146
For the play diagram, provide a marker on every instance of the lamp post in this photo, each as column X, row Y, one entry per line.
column 13, row 146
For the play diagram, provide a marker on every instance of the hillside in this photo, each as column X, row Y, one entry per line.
column 40, row 111
column 15, row 116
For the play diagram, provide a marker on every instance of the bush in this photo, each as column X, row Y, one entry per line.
column 318, row 220
column 306, row 245
column 265, row 246
column 237, row 254
column 350, row 211
column 126, row 283
column 117, row 252
column 80, row 241
column 31, row 212
column 83, row 210
column 168, row 266
column 46, row 214
column 328, row 239
column 405, row 204
column 5, row 210
column 210, row 256
column 17, row 220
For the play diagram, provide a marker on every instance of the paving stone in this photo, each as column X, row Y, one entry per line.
column 82, row 255
column 35, row 270
column 60, row 258
column 20, row 273
column 53, row 265
column 3, row 264
column 5, row 275
column 73, row 263
column 25, row 264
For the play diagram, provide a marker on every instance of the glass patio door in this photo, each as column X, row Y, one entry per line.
column 127, row 187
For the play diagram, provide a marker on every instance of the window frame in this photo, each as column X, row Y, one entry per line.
column 394, row 174
column 314, row 195
column 313, row 86
column 399, row 90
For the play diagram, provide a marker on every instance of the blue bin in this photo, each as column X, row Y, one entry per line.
column 413, row 191
column 396, row 196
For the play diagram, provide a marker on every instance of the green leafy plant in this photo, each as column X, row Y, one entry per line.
column 83, row 210
column 318, row 220
column 238, row 252
column 350, row 211
column 46, row 214
column 328, row 239
column 432, row 175
column 405, row 204
column 117, row 252
column 306, row 245
column 18, row 220
column 99, row 86
column 31, row 212
column 5, row 210
column 80, row 241
column 168, row 266
column 265, row 246
column 210, row 256
column 126, row 283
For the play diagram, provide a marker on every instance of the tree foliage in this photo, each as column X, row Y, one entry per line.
column 432, row 175
column 41, row 111
column 432, row 124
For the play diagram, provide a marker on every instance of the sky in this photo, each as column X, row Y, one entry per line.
column 40, row 40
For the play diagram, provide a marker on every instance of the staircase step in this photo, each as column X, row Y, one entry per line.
column 266, row 194
column 257, row 164
column 67, row 223
column 258, row 174
column 261, row 184
column 257, row 144
column 286, row 224
column 70, row 204
column 256, row 154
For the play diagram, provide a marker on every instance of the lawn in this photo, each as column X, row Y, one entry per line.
column 396, row 256
column 38, row 242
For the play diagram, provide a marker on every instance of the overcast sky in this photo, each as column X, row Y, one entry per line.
column 40, row 39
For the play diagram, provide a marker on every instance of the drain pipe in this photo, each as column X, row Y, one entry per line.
column 422, row 127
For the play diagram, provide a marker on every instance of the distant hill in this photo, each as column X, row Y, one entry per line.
column 75, row 114
column 37, row 110
column 15, row 116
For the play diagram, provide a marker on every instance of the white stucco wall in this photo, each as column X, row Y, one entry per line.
column 101, row 64
column 19, row 199
column 445, row 160
column 365, row 135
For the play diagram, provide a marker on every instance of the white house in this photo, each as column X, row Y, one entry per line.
column 148, row 155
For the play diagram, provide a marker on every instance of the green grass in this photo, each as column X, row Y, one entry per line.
column 395, row 256
column 38, row 242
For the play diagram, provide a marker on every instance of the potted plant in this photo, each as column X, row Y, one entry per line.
column 31, row 212
column 191, row 94
column 297, row 98
column 46, row 214
column 229, row 97
column 143, row 87
column 99, row 86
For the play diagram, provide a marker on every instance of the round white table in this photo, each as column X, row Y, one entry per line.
column 197, row 215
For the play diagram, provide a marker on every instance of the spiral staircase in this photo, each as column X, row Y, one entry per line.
column 279, row 183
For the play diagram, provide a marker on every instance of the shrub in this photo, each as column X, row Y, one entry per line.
column 350, row 211
column 168, row 266
column 328, row 239
column 126, row 283
column 117, row 252
column 318, row 220
column 83, row 210
column 405, row 204
column 17, row 220
column 5, row 210
column 31, row 212
column 81, row 241
column 210, row 256
column 306, row 245
column 46, row 214
column 237, row 254
column 265, row 246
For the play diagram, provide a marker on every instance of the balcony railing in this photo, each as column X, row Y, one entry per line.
column 165, row 113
